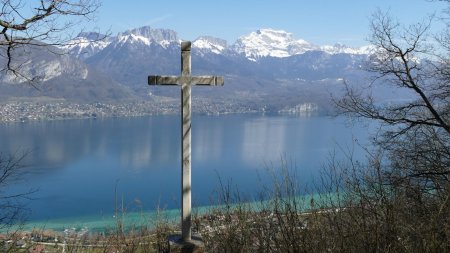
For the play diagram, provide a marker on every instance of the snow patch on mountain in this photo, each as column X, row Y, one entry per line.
column 343, row 49
column 369, row 49
column 210, row 44
column 132, row 38
column 86, row 45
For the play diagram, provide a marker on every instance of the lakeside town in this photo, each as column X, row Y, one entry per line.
column 23, row 111
column 32, row 111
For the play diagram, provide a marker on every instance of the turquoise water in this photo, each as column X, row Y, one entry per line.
column 150, row 219
column 105, row 224
column 83, row 169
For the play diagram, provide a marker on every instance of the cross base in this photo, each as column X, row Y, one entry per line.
column 178, row 245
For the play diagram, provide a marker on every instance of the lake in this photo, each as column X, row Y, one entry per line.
column 82, row 168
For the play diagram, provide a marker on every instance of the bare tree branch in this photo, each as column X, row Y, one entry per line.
column 398, row 62
column 39, row 24
column 12, row 208
column 414, row 133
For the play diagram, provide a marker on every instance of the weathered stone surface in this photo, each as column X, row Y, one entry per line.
column 186, row 161
column 191, row 80
column 186, row 46
column 186, row 81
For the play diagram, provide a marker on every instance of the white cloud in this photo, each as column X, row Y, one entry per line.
column 158, row 19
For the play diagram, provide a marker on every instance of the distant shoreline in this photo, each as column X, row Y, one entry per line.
column 27, row 111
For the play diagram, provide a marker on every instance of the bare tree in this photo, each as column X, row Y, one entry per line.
column 402, row 196
column 406, row 58
column 417, row 132
column 38, row 23
column 12, row 207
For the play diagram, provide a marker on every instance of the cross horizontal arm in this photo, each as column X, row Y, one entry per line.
column 191, row 80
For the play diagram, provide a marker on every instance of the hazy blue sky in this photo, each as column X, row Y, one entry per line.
column 317, row 21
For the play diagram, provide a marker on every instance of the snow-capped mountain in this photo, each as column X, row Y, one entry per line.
column 254, row 46
column 278, row 43
column 269, row 42
column 88, row 44
column 157, row 35
column 147, row 36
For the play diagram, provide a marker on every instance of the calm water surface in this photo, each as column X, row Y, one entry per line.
column 79, row 165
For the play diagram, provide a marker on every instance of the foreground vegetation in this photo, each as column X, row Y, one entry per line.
column 366, row 217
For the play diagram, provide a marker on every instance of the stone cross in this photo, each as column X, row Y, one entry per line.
column 186, row 81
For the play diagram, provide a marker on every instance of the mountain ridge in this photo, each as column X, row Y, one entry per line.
column 266, row 42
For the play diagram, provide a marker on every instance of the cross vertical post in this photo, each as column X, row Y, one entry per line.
column 186, row 142
column 186, row 81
